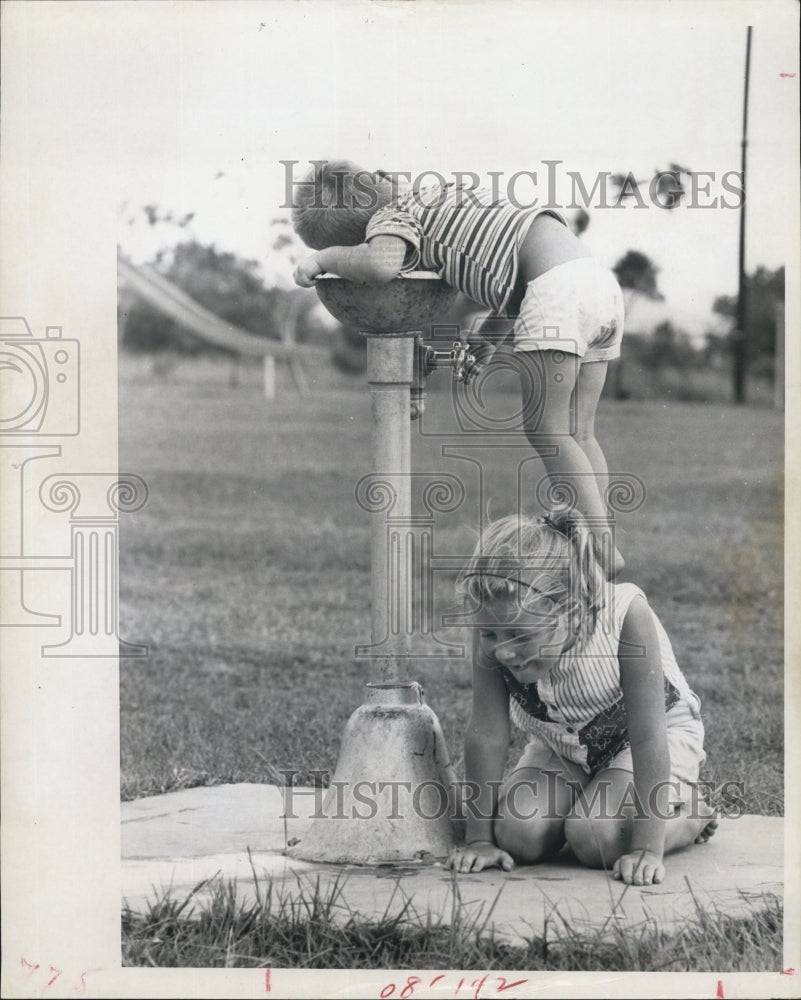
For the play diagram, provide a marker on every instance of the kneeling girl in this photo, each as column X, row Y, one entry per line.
column 586, row 668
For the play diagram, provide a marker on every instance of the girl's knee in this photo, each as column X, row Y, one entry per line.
column 528, row 840
column 531, row 811
column 597, row 828
column 597, row 843
column 584, row 436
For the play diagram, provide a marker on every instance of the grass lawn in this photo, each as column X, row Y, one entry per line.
column 310, row 933
column 247, row 572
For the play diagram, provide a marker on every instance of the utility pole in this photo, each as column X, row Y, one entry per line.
column 740, row 345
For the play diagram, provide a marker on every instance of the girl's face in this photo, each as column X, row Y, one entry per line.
column 528, row 642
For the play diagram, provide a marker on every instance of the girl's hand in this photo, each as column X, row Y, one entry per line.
column 307, row 271
column 479, row 855
column 639, row 868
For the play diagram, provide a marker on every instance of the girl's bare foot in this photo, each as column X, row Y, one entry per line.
column 707, row 818
column 708, row 831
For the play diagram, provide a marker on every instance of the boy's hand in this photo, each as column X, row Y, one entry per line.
column 307, row 271
column 639, row 868
column 471, row 371
column 482, row 353
column 479, row 855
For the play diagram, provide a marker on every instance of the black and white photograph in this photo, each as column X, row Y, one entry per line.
column 398, row 550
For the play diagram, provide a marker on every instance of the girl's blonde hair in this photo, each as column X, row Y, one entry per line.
column 525, row 558
column 333, row 204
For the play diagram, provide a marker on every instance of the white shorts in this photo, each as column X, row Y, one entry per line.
column 685, row 734
column 575, row 307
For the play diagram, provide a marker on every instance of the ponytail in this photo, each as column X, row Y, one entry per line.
column 586, row 576
column 558, row 549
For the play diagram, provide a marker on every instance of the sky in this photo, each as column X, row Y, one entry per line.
column 215, row 96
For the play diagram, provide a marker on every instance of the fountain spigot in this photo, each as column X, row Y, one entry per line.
column 427, row 359
column 461, row 362
column 465, row 365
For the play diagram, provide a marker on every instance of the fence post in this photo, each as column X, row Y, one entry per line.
column 269, row 376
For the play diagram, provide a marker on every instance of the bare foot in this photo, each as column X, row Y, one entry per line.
column 707, row 818
column 708, row 831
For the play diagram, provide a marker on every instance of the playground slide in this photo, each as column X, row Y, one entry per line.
column 200, row 322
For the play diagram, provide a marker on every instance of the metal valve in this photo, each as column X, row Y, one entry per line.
column 459, row 358
column 427, row 359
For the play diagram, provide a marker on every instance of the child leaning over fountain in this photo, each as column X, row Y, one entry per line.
column 585, row 667
column 525, row 265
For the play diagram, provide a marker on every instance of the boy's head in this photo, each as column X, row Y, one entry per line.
column 334, row 201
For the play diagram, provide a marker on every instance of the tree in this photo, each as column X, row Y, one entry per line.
column 764, row 289
column 665, row 186
column 636, row 273
column 580, row 222
column 230, row 287
column 670, row 347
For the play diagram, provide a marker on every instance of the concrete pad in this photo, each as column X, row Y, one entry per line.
column 173, row 842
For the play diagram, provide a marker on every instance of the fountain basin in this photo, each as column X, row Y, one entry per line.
column 406, row 304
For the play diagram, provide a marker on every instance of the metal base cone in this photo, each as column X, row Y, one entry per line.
column 394, row 790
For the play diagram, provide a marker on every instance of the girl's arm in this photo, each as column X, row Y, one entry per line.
column 373, row 263
column 486, row 746
column 642, row 681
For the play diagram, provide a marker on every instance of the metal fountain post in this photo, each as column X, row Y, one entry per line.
column 392, row 795
column 389, row 375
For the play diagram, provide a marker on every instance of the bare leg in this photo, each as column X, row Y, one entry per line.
column 532, row 807
column 553, row 391
column 584, row 404
column 599, row 828
column 688, row 827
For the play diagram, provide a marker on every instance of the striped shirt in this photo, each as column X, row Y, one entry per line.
column 577, row 709
column 470, row 238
